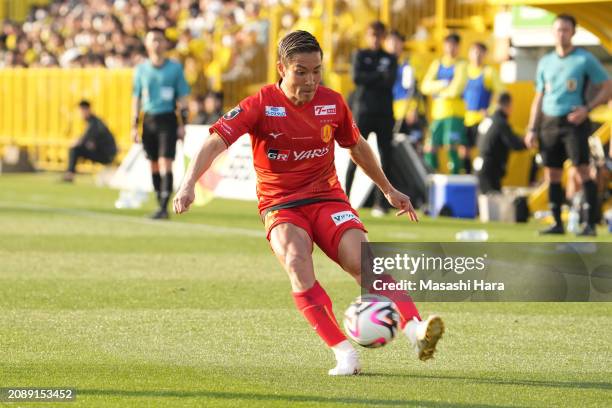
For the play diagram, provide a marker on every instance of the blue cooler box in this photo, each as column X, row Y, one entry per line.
column 457, row 192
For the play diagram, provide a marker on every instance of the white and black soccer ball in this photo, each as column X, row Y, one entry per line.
column 371, row 321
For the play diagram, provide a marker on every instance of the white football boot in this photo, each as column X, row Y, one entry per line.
column 347, row 358
column 424, row 335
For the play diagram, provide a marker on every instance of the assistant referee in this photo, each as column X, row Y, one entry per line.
column 160, row 88
column 560, row 117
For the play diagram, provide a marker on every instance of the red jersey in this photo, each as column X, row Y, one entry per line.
column 293, row 146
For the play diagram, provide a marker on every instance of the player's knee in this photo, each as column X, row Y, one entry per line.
column 165, row 165
column 295, row 261
column 299, row 269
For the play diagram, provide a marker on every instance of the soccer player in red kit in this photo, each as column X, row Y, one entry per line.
column 293, row 125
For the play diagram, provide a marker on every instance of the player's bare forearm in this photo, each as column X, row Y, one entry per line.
column 535, row 114
column 182, row 105
column 535, row 117
column 363, row 156
column 604, row 94
column 135, row 116
column 135, row 111
column 212, row 147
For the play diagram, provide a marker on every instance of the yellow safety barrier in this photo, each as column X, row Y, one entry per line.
column 17, row 10
column 38, row 109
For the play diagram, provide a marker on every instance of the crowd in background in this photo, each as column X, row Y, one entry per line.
column 109, row 33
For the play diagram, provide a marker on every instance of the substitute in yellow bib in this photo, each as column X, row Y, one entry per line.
column 445, row 82
column 482, row 83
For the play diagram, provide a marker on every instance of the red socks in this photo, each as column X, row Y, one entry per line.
column 316, row 306
column 405, row 306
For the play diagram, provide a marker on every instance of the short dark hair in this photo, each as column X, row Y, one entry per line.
column 398, row 35
column 378, row 27
column 85, row 104
column 453, row 37
column 297, row 42
column 568, row 18
column 504, row 99
column 480, row 45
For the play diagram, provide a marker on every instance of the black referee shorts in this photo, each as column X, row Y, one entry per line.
column 561, row 140
column 159, row 135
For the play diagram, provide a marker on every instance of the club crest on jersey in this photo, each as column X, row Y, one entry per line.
column 343, row 216
column 572, row 84
column 321, row 110
column 276, row 111
column 280, row 155
column 233, row 113
column 327, row 131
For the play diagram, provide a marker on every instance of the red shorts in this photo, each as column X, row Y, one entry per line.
column 325, row 222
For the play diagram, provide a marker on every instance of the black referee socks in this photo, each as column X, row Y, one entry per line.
column 590, row 194
column 555, row 199
column 156, row 185
column 167, row 181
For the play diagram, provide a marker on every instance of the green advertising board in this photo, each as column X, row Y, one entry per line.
column 531, row 17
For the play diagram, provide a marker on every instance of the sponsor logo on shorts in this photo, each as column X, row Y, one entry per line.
column 276, row 111
column 321, row 110
column 327, row 131
column 280, row 155
column 310, row 154
column 233, row 113
column 344, row 216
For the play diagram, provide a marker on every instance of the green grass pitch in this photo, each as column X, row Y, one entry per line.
column 197, row 312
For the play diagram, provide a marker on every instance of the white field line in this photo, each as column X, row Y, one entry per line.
column 165, row 224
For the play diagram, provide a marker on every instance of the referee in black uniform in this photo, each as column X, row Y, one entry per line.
column 160, row 89
column 560, row 117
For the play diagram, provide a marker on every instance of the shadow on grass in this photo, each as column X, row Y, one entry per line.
column 605, row 386
column 276, row 398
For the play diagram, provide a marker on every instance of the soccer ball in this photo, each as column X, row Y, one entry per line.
column 371, row 321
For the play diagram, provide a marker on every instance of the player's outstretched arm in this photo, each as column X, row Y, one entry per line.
column 212, row 147
column 535, row 117
column 135, row 115
column 363, row 156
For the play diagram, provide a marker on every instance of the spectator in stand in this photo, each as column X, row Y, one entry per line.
column 206, row 110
